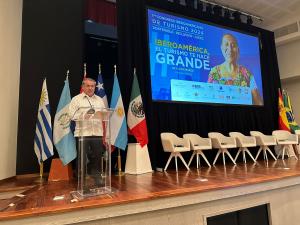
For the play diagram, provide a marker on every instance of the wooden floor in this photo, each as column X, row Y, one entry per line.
column 38, row 198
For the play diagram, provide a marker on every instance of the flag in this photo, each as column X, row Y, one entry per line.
column 282, row 119
column 43, row 146
column 289, row 112
column 100, row 89
column 136, row 115
column 63, row 138
column 118, row 129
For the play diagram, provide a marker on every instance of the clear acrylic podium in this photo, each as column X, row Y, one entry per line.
column 93, row 152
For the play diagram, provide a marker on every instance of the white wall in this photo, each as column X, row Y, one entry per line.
column 289, row 67
column 10, row 52
column 289, row 59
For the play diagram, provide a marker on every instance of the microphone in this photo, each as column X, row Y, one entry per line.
column 91, row 110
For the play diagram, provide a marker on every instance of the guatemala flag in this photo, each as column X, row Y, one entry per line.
column 100, row 90
column 63, row 138
column 43, row 146
column 118, row 122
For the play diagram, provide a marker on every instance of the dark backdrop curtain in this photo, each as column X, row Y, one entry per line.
column 101, row 11
column 52, row 43
column 183, row 118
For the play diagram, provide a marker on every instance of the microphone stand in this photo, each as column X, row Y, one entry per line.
column 91, row 110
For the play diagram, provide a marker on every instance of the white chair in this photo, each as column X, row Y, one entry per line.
column 173, row 144
column 198, row 144
column 222, row 143
column 243, row 142
column 285, row 139
column 298, row 145
column 264, row 141
column 298, row 133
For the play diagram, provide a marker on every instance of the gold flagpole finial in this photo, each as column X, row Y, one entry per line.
column 99, row 68
column 84, row 68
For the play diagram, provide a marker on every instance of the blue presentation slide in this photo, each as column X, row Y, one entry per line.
column 191, row 61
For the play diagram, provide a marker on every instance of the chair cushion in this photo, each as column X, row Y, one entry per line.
column 224, row 145
column 181, row 149
column 248, row 145
column 270, row 143
column 202, row 147
column 287, row 142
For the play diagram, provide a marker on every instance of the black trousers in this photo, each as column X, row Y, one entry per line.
column 90, row 152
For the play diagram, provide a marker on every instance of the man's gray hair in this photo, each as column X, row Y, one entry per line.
column 90, row 79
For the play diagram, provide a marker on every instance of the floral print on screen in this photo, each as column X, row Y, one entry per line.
column 243, row 77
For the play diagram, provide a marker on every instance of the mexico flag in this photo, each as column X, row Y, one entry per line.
column 136, row 119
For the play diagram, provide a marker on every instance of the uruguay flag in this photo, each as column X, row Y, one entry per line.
column 118, row 122
column 43, row 146
column 100, row 89
column 63, row 138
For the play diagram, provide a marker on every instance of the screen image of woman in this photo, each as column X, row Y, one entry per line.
column 230, row 72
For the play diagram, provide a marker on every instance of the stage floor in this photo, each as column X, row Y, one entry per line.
column 38, row 198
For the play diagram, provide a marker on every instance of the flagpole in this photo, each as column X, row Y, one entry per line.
column 43, row 130
column 41, row 179
column 99, row 68
column 119, row 173
column 119, row 153
column 119, row 162
column 41, row 169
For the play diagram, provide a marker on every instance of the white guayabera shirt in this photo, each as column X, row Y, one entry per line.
column 78, row 107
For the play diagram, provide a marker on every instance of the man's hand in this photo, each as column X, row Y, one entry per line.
column 88, row 116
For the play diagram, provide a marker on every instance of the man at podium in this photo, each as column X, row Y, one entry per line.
column 88, row 131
